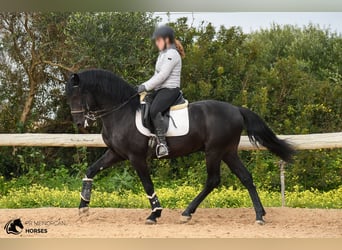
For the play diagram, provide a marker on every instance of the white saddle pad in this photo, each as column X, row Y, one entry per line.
column 180, row 119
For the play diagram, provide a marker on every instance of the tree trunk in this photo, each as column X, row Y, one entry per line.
column 28, row 102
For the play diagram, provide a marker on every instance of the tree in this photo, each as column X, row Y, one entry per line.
column 290, row 76
column 116, row 41
column 28, row 48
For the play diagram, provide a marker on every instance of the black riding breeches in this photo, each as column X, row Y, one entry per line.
column 162, row 100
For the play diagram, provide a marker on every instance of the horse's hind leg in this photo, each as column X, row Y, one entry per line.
column 106, row 160
column 213, row 161
column 234, row 163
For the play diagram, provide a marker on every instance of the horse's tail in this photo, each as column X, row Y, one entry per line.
column 259, row 132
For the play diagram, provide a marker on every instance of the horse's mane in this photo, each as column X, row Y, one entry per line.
column 108, row 84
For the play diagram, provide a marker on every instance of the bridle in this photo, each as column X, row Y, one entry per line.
column 96, row 114
column 82, row 110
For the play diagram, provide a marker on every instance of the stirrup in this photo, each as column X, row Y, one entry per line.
column 161, row 150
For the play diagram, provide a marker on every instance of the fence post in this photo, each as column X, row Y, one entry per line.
column 282, row 182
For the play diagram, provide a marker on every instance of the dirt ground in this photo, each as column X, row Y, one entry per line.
column 206, row 223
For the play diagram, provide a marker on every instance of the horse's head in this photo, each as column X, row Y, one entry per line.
column 75, row 100
column 79, row 100
column 97, row 93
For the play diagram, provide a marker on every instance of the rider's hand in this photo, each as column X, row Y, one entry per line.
column 141, row 88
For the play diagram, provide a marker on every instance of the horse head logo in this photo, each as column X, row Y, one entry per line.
column 14, row 227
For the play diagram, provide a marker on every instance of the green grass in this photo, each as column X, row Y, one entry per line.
column 175, row 197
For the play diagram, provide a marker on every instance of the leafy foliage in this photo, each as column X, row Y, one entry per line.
column 175, row 197
column 290, row 76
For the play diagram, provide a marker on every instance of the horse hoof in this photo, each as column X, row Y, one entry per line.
column 185, row 218
column 150, row 222
column 83, row 211
column 260, row 222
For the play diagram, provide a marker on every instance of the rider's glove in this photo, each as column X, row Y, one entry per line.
column 141, row 88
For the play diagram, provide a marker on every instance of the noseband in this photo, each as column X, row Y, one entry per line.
column 77, row 111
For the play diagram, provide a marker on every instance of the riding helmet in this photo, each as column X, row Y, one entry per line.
column 164, row 31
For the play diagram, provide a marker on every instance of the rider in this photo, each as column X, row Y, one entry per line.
column 165, row 82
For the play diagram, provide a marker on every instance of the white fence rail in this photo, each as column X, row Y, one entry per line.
column 300, row 142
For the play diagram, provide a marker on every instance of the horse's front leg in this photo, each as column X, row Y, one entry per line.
column 141, row 167
column 106, row 160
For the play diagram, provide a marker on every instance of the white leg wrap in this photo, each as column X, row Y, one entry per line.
column 84, row 198
column 156, row 208
column 152, row 196
column 87, row 179
column 86, row 189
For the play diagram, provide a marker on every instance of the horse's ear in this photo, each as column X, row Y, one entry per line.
column 75, row 79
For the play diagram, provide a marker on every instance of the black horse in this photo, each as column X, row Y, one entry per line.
column 215, row 128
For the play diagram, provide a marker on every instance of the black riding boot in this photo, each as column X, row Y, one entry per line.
column 160, row 130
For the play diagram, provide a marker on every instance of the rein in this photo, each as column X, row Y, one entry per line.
column 96, row 114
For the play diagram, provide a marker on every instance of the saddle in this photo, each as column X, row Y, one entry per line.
column 146, row 100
